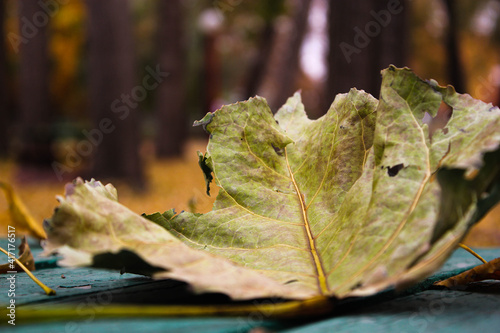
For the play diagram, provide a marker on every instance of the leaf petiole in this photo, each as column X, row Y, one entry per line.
column 468, row 249
column 47, row 290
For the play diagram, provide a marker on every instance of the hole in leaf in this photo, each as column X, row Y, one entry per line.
column 393, row 171
column 356, row 286
column 440, row 120
column 427, row 118
column 278, row 150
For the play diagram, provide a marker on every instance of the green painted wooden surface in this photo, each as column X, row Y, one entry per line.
column 88, row 290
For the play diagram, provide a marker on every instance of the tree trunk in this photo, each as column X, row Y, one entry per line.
column 170, row 109
column 4, row 112
column 211, row 72
column 257, row 67
column 114, row 94
column 392, row 48
column 269, row 11
column 34, row 116
column 454, row 62
column 283, row 66
column 365, row 37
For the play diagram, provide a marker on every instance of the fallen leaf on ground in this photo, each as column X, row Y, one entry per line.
column 347, row 205
column 25, row 257
column 487, row 271
column 19, row 214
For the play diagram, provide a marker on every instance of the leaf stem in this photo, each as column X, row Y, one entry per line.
column 47, row 290
column 316, row 306
column 468, row 249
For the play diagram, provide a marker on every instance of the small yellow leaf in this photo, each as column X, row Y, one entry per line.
column 19, row 213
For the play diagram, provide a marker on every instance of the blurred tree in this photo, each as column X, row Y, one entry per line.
column 269, row 11
column 114, row 97
column 453, row 55
column 365, row 36
column 34, row 116
column 283, row 65
column 4, row 112
column 66, row 48
column 210, row 22
column 171, row 115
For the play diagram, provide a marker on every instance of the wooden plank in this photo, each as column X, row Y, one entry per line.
column 88, row 290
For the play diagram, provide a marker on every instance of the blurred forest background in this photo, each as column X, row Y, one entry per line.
column 109, row 88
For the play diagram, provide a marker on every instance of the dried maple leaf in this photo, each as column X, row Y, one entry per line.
column 349, row 204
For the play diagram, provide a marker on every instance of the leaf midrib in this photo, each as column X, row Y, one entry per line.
column 322, row 283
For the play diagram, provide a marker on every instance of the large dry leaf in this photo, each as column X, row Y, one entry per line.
column 349, row 204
